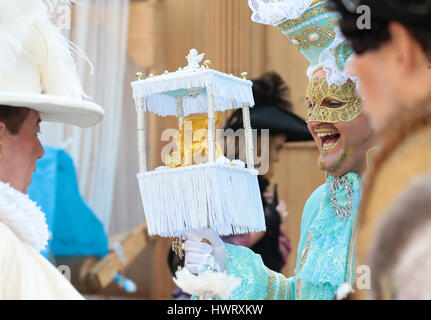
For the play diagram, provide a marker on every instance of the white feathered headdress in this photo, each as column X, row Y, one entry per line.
column 313, row 29
column 37, row 69
column 272, row 12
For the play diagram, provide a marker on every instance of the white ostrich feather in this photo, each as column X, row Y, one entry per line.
column 26, row 30
column 206, row 284
column 12, row 38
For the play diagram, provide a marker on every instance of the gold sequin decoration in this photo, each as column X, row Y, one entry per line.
column 276, row 279
column 271, row 282
column 323, row 34
column 298, row 288
column 283, row 288
column 305, row 252
column 307, row 15
column 303, row 259
column 318, row 91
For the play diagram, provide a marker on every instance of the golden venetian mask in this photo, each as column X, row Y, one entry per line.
column 319, row 91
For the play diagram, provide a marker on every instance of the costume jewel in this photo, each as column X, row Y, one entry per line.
column 343, row 183
column 315, row 36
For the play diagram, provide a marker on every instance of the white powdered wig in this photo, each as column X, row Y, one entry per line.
column 273, row 12
column 26, row 30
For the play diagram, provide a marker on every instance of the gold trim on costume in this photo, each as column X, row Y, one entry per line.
column 310, row 13
column 315, row 35
column 283, row 285
column 305, row 252
column 275, row 278
column 303, row 259
column 316, row 2
column 298, row 288
column 270, row 287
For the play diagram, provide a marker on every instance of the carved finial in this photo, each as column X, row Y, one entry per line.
column 139, row 75
column 244, row 75
column 193, row 59
column 207, row 64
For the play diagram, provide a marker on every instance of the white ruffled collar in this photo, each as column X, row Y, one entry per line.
column 23, row 217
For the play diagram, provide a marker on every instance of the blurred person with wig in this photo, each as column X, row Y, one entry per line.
column 393, row 65
column 38, row 82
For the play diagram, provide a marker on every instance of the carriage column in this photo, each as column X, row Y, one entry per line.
column 247, row 132
column 211, row 124
column 141, row 130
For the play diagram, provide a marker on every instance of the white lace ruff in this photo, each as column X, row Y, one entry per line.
column 23, row 217
column 272, row 12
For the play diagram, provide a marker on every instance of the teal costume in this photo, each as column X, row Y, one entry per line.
column 325, row 253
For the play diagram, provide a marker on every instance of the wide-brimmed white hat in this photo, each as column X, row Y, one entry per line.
column 37, row 70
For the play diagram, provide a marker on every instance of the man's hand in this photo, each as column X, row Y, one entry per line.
column 197, row 251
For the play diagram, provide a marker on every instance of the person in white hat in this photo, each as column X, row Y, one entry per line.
column 38, row 82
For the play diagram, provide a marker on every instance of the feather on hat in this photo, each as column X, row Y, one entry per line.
column 38, row 70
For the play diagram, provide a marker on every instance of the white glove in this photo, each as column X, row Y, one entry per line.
column 197, row 251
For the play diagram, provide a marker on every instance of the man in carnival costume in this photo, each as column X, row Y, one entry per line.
column 38, row 81
column 343, row 135
column 393, row 65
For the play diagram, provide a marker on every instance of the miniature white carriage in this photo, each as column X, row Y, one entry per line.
column 216, row 194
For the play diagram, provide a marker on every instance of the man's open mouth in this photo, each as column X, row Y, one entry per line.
column 328, row 138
